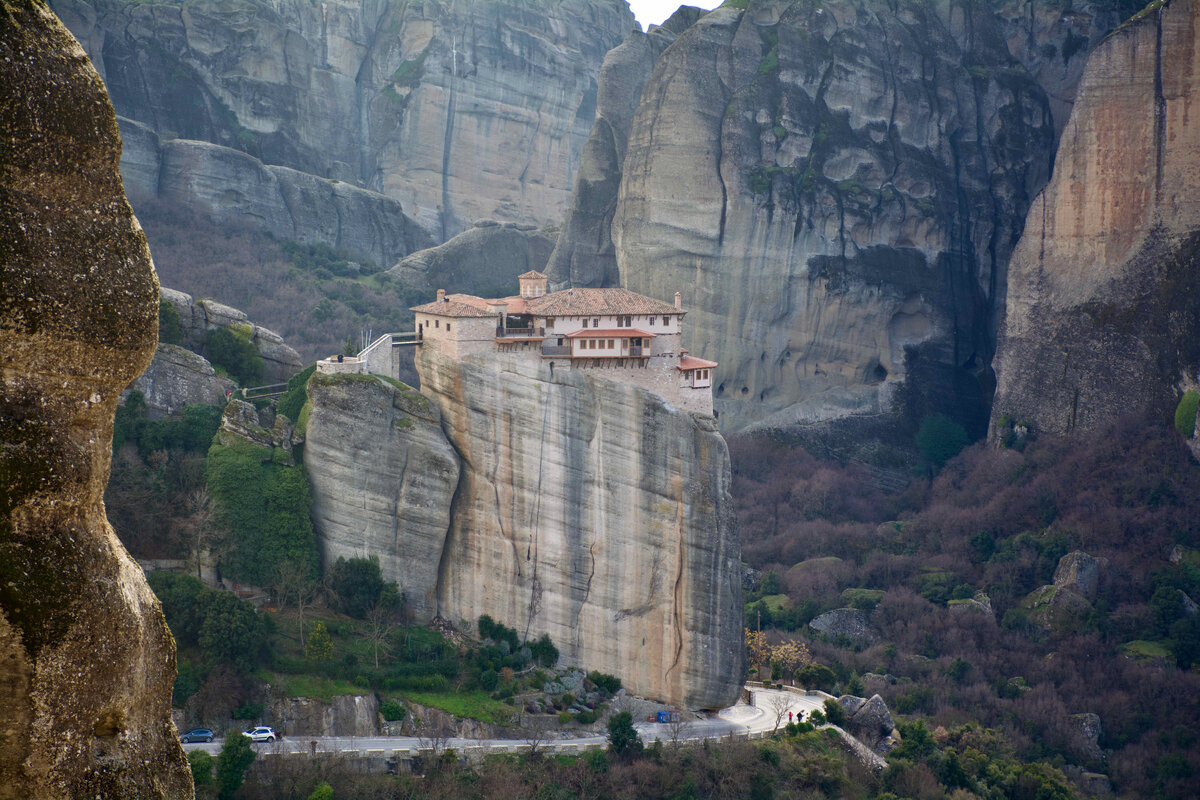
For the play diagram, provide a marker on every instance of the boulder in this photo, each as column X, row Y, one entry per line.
column 178, row 377
column 198, row 317
column 87, row 663
column 1087, row 730
column 1080, row 573
column 870, row 722
column 845, row 623
column 1057, row 609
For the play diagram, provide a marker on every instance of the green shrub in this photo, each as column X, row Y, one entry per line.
column 622, row 736
column 392, row 710
column 322, row 791
column 609, row 684
column 357, row 584
column 202, row 766
column 834, row 712
column 1185, row 414
column 265, row 507
column 564, row 717
column 816, row 676
column 489, row 679
column 544, row 651
column 232, row 351
column 248, row 711
column 296, row 396
column 940, row 439
column 236, row 757
column 170, row 326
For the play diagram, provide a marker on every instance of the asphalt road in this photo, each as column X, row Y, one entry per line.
column 740, row 719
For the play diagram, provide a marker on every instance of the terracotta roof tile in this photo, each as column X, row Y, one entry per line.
column 533, row 273
column 452, row 307
column 615, row 333
column 688, row 363
column 581, row 302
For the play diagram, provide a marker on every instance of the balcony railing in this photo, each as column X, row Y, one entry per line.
column 635, row 350
column 508, row 331
column 556, row 350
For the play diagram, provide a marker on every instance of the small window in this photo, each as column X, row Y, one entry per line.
column 447, row 327
column 667, row 321
column 437, row 323
column 550, row 322
column 596, row 322
column 611, row 344
column 628, row 322
column 652, row 320
column 585, row 322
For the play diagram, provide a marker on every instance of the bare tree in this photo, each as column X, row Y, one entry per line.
column 293, row 581
column 199, row 525
column 778, row 703
column 380, row 624
column 536, row 728
column 678, row 727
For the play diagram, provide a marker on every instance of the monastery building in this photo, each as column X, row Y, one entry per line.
column 622, row 335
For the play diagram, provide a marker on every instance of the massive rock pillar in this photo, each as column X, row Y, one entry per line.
column 86, row 660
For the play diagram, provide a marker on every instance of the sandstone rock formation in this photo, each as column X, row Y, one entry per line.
column 177, row 377
column 459, row 111
column 870, row 722
column 1103, row 314
column 383, row 476
column 484, row 261
column 1081, row 573
column 557, row 503
column 228, row 185
column 197, row 318
column 584, row 255
column 1053, row 39
column 845, row 623
column 86, row 660
column 836, row 191
column 590, row 510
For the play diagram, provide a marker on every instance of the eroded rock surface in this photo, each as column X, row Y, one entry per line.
column 837, row 192
column 383, row 477
column 459, row 111
column 1103, row 314
column 228, row 185
column 197, row 318
column 590, row 510
column 177, row 377
column 86, row 661
column 484, row 261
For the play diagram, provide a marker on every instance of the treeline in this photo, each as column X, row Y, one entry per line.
column 992, row 526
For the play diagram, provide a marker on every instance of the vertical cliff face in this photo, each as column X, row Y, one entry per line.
column 86, row 660
column 555, row 502
column 383, row 476
column 590, row 510
column 584, row 255
column 1104, row 302
column 837, row 190
column 462, row 110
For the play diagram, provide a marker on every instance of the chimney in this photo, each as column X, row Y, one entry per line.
column 678, row 301
column 442, row 296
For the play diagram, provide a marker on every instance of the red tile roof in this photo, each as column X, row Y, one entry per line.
column 452, row 306
column 533, row 273
column 581, row 302
column 565, row 303
column 689, row 363
column 616, row 333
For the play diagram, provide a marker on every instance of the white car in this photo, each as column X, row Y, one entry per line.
column 262, row 734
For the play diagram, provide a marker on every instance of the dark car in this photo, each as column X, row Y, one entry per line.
column 197, row 735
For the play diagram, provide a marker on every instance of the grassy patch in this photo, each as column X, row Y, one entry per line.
column 469, row 705
column 776, row 602
column 317, row 687
column 1142, row 650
